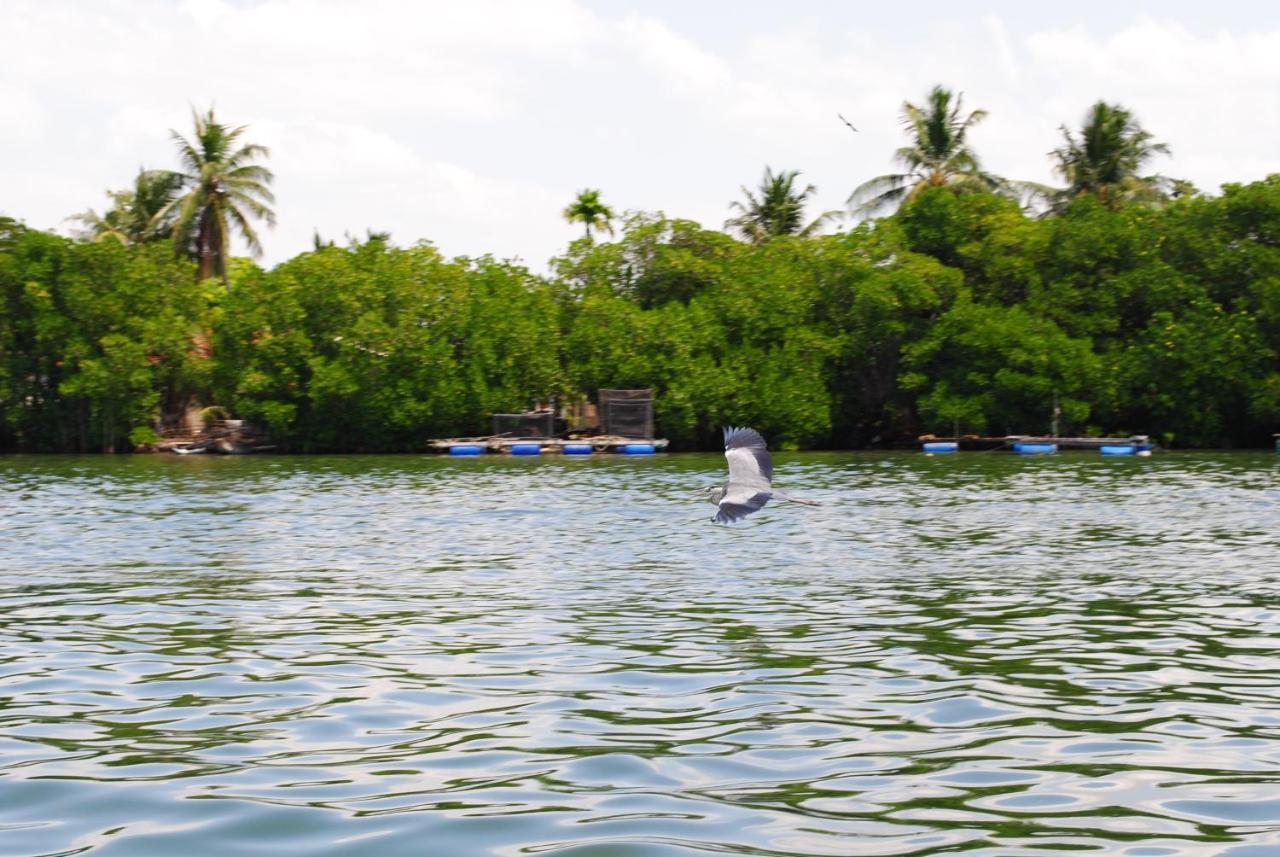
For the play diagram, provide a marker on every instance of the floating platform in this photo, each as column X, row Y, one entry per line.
column 1030, row 444
column 583, row 446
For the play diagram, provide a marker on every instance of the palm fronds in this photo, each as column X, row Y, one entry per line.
column 939, row 156
column 1104, row 160
column 224, row 188
column 589, row 210
column 776, row 208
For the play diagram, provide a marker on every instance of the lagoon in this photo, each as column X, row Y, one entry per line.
column 977, row 653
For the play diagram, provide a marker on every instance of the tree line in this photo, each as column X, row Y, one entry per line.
column 971, row 303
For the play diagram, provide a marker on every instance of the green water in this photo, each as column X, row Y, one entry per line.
column 422, row 656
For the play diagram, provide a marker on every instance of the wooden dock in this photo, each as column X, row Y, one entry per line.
column 223, row 437
column 622, row 423
column 546, row 446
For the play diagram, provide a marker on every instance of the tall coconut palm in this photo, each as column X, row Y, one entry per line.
column 777, row 208
column 134, row 215
column 939, row 156
column 1105, row 159
column 588, row 209
column 224, row 189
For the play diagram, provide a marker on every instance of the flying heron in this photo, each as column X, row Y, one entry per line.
column 750, row 483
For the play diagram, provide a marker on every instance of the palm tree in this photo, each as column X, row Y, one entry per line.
column 939, row 156
column 111, row 225
column 134, row 215
column 153, row 190
column 225, row 188
column 778, row 209
column 1105, row 159
column 588, row 210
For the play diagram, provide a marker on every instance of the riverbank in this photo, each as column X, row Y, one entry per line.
column 960, row 314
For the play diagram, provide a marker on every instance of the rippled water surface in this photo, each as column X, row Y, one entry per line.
column 424, row 656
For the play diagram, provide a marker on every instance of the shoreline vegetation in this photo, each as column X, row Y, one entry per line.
column 946, row 299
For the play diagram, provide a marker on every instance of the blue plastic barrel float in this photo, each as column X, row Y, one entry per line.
column 577, row 449
column 525, row 449
column 942, row 446
column 1118, row 449
column 466, row 449
column 639, row 449
column 1034, row 448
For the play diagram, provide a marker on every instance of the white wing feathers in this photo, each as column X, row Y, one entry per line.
column 750, row 475
column 749, row 460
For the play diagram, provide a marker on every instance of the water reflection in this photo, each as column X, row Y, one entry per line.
column 333, row 655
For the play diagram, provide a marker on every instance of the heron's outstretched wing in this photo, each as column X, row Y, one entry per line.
column 749, row 461
column 738, row 503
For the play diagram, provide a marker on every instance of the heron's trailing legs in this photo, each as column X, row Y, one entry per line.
column 782, row 495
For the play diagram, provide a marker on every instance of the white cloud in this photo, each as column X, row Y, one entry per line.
column 335, row 153
column 1210, row 96
column 344, row 179
column 682, row 63
column 473, row 124
column 21, row 115
column 1004, row 50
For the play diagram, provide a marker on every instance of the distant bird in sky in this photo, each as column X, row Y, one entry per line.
column 847, row 122
column 750, row 483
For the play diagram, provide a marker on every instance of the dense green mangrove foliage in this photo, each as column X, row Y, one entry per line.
column 960, row 311
column 96, row 341
column 376, row 348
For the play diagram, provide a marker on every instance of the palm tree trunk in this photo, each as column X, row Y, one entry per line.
column 205, row 240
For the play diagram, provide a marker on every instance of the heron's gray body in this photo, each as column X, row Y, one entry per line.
column 750, row 483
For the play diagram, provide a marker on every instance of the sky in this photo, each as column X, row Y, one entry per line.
column 473, row 124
